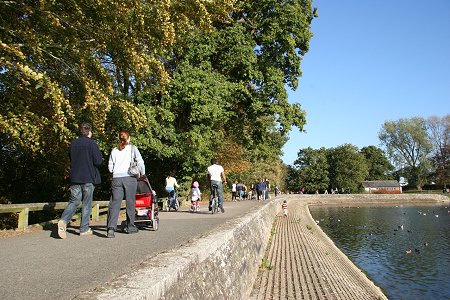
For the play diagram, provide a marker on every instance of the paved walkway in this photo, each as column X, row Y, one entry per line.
column 301, row 262
column 38, row 265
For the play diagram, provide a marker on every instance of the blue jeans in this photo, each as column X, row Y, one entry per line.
column 171, row 189
column 80, row 193
column 219, row 190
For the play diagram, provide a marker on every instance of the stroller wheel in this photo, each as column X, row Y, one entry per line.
column 155, row 224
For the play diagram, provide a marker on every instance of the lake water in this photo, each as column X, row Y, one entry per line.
column 405, row 250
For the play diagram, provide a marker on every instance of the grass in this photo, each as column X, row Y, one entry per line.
column 272, row 233
column 265, row 264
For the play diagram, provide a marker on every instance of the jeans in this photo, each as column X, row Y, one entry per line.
column 219, row 190
column 122, row 187
column 170, row 189
column 80, row 193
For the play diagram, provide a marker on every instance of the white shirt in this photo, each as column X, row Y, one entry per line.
column 214, row 172
column 119, row 161
column 195, row 194
column 171, row 182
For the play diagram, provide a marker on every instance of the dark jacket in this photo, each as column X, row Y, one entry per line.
column 240, row 186
column 85, row 158
column 261, row 186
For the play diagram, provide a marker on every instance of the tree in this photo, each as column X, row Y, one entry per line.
column 64, row 62
column 408, row 145
column 312, row 169
column 189, row 79
column 347, row 168
column 439, row 130
column 228, row 86
column 379, row 166
column 292, row 179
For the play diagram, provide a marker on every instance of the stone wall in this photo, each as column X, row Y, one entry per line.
column 378, row 199
column 222, row 265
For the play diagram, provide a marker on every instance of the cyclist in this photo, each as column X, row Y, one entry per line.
column 215, row 175
column 171, row 184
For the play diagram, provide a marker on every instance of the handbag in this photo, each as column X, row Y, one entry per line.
column 133, row 169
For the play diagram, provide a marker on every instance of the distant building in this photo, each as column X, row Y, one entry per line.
column 382, row 187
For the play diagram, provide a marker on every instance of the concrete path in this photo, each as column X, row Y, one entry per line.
column 301, row 262
column 39, row 265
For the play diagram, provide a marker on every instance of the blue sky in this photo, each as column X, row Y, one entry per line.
column 371, row 61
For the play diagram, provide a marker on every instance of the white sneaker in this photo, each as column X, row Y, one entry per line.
column 62, row 229
column 88, row 232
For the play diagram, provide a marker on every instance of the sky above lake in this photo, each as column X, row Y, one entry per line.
column 371, row 61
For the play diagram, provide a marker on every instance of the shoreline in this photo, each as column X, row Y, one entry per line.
column 302, row 262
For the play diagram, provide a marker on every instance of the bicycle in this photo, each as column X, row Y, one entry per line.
column 172, row 201
column 215, row 199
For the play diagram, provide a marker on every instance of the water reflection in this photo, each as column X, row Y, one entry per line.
column 403, row 249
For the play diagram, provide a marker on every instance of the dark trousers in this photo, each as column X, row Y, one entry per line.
column 122, row 187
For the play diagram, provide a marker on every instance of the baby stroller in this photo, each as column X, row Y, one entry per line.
column 146, row 206
column 172, row 201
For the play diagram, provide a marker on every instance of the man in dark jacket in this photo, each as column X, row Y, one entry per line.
column 85, row 158
column 260, row 189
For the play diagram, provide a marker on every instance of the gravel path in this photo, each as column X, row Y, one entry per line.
column 301, row 262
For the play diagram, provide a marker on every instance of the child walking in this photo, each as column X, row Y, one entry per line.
column 284, row 206
column 195, row 197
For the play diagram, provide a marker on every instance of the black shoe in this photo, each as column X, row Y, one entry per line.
column 210, row 208
column 110, row 233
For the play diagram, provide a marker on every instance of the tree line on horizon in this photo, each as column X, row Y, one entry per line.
column 191, row 80
column 416, row 149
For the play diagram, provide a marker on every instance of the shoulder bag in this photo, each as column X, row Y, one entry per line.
column 133, row 170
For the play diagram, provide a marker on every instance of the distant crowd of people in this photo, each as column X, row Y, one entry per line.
column 257, row 191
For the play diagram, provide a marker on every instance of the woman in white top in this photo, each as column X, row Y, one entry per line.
column 123, row 185
column 171, row 184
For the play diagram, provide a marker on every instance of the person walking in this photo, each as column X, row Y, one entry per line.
column 215, row 175
column 260, row 189
column 85, row 158
column 240, row 190
column 277, row 190
column 234, row 191
column 123, row 184
column 267, row 190
column 284, row 206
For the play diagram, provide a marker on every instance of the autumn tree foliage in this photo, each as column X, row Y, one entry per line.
column 191, row 79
